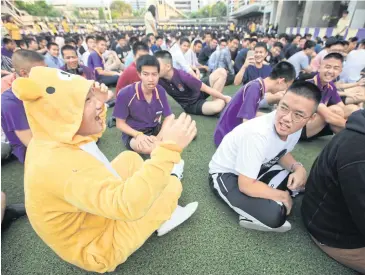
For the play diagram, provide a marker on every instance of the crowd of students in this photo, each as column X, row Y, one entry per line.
column 95, row 213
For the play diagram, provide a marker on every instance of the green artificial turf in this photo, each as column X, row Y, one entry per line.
column 211, row 242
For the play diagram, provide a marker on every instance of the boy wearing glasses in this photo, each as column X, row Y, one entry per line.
column 253, row 170
column 245, row 103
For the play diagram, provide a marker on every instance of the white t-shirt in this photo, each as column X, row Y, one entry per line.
column 252, row 148
column 355, row 62
column 300, row 61
column 178, row 61
column 149, row 21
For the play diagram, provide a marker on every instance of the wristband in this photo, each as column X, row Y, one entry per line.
column 293, row 166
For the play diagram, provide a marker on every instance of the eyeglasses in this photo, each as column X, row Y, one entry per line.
column 296, row 116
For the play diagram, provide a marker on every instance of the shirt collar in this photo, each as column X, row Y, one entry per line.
column 317, row 81
column 140, row 94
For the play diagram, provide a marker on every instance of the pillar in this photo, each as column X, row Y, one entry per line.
column 356, row 13
column 314, row 12
column 273, row 12
column 286, row 14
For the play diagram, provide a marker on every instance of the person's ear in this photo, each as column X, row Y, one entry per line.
column 312, row 117
column 23, row 73
column 139, row 74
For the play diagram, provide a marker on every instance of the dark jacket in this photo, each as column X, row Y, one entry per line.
column 333, row 207
column 204, row 55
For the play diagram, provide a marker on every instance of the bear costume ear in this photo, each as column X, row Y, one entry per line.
column 26, row 90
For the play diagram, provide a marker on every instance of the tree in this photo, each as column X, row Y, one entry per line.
column 101, row 14
column 217, row 10
column 39, row 8
column 120, row 9
column 139, row 13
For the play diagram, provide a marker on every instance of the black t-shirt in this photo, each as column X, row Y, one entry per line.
column 122, row 52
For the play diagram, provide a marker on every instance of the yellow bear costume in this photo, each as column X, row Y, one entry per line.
column 92, row 213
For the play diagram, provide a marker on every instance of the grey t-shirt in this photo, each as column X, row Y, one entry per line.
column 300, row 61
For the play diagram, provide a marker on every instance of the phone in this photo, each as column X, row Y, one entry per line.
column 250, row 53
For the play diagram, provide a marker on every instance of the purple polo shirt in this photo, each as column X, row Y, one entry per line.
column 86, row 72
column 6, row 52
column 329, row 92
column 252, row 73
column 138, row 113
column 243, row 105
column 13, row 118
column 94, row 62
column 183, row 87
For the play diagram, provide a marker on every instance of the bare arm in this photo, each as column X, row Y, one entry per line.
column 238, row 79
column 106, row 73
column 25, row 136
column 331, row 117
column 125, row 128
column 166, row 121
column 340, row 85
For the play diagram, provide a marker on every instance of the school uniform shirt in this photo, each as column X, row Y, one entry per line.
column 243, row 105
column 129, row 76
column 252, row 73
column 53, row 62
column 155, row 48
column 355, row 63
column 300, row 61
column 86, row 72
column 132, row 106
column 329, row 92
column 240, row 59
column 179, row 62
column 204, row 55
column 183, row 88
column 191, row 58
column 13, row 118
column 6, row 52
column 252, row 148
column 95, row 61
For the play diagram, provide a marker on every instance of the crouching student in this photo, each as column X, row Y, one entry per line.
column 141, row 106
column 245, row 103
column 91, row 212
column 253, row 170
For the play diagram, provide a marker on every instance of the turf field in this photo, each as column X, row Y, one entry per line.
column 211, row 242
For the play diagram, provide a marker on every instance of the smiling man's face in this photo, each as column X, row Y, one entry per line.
column 330, row 69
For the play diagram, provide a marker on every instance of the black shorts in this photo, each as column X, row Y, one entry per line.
column 230, row 80
column 343, row 98
column 197, row 107
column 148, row 132
column 326, row 131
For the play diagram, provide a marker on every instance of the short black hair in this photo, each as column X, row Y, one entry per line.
column 307, row 90
column 165, row 56
column 337, row 56
column 309, row 44
column 252, row 34
column 183, row 40
column 147, row 60
column 346, row 43
column 121, row 36
column 30, row 40
column 70, row 41
column 149, row 35
column 308, row 34
column 139, row 46
column 22, row 58
column 100, row 38
column 89, row 37
column 49, row 45
column 7, row 41
column 253, row 40
column 196, row 42
column 279, row 45
column 283, row 35
column 247, row 39
column 284, row 70
column 159, row 37
column 133, row 40
column 362, row 42
column 346, row 11
column 222, row 40
column 261, row 45
column 67, row 48
column 234, row 37
column 354, row 39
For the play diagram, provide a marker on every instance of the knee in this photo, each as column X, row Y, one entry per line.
column 336, row 109
column 218, row 107
column 128, row 157
column 278, row 216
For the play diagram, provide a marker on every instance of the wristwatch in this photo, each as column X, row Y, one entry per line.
column 293, row 166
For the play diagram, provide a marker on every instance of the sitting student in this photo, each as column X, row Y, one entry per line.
column 223, row 58
column 207, row 51
column 333, row 45
column 242, row 54
column 122, row 49
column 178, row 51
column 73, row 66
column 96, row 63
column 140, row 107
column 188, row 91
column 253, row 170
column 300, row 60
column 52, row 58
column 274, row 55
column 259, row 69
column 90, row 43
column 157, row 46
column 332, row 113
column 191, row 57
column 333, row 205
column 130, row 74
column 13, row 118
column 245, row 103
column 91, row 212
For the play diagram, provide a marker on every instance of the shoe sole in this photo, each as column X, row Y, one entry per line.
column 253, row 226
column 192, row 206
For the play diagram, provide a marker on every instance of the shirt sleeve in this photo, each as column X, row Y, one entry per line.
column 122, row 81
column 191, row 81
column 251, row 155
column 121, row 109
column 15, row 117
column 250, row 103
column 245, row 76
column 304, row 62
column 335, row 97
column 95, row 62
column 166, row 107
column 228, row 60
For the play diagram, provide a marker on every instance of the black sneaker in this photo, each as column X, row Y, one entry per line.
column 112, row 122
column 12, row 213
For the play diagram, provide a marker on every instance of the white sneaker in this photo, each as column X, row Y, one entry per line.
column 180, row 215
column 178, row 169
column 256, row 225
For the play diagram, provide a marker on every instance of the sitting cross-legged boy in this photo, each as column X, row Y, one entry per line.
column 91, row 212
column 140, row 107
column 253, row 170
